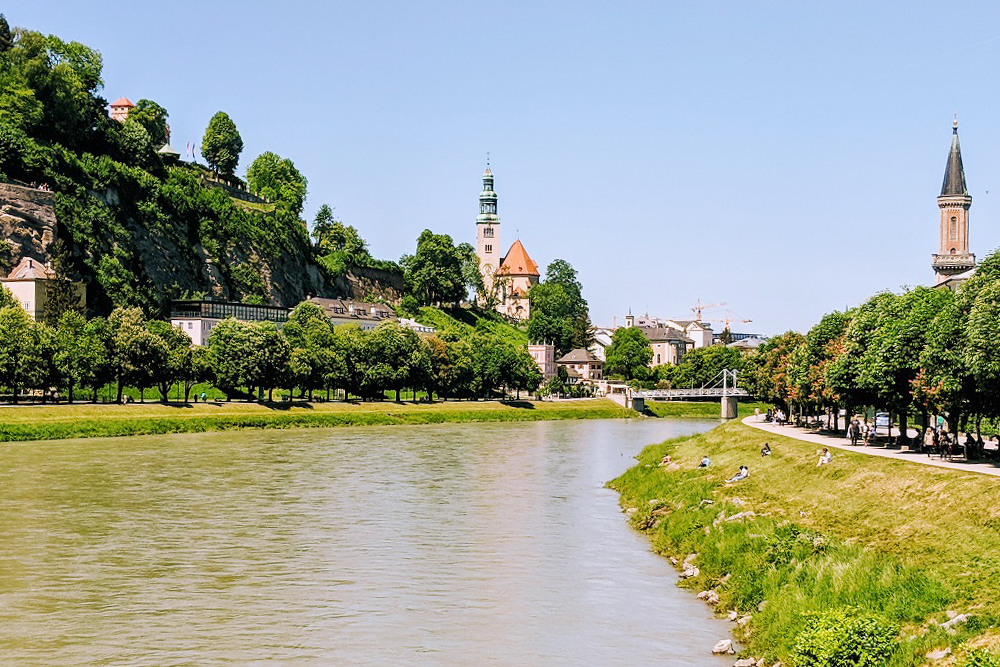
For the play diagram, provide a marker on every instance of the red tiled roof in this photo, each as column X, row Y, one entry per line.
column 121, row 102
column 517, row 262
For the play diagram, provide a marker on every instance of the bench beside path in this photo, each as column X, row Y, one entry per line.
column 839, row 442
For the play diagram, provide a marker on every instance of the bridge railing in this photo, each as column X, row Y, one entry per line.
column 692, row 393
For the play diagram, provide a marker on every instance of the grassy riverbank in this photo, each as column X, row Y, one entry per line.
column 897, row 543
column 706, row 409
column 88, row 420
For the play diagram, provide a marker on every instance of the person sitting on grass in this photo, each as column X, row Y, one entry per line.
column 705, row 462
column 766, row 449
column 824, row 458
column 743, row 473
column 665, row 460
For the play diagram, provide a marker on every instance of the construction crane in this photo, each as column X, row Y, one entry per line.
column 730, row 318
column 698, row 307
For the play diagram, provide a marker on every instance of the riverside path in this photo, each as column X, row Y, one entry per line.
column 840, row 442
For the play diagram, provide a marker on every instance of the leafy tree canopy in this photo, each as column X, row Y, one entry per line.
column 153, row 119
column 277, row 180
column 222, row 144
column 434, row 273
column 559, row 313
column 629, row 354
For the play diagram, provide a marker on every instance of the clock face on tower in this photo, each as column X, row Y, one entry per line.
column 488, row 269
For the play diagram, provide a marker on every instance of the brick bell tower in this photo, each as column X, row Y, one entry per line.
column 954, row 256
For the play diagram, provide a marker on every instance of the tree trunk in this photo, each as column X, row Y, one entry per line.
column 397, row 394
column 94, row 399
column 69, row 392
column 142, row 394
column 903, row 436
column 269, row 395
column 120, row 390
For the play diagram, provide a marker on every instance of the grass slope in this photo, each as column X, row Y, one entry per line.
column 904, row 541
column 707, row 409
column 464, row 321
column 87, row 420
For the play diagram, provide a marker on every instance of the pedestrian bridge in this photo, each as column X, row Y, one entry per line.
column 723, row 387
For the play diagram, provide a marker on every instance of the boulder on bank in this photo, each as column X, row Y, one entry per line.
column 723, row 647
column 745, row 662
column 711, row 597
column 957, row 620
column 939, row 654
column 690, row 572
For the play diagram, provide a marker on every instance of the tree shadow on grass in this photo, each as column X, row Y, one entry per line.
column 524, row 405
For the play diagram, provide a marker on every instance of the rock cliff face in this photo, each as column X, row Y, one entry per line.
column 364, row 283
column 27, row 222
column 171, row 263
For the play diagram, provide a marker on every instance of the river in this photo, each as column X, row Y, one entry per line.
column 456, row 544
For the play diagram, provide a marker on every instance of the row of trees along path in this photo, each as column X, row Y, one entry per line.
column 921, row 353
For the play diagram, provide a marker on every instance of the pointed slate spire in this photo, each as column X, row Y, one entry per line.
column 954, row 173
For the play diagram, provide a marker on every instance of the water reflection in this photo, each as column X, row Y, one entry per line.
column 429, row 545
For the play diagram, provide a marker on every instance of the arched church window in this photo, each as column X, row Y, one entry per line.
column 953, row 231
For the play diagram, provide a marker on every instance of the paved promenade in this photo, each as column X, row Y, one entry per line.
column 839, row 442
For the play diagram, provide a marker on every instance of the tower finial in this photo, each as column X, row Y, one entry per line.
column 954, row 125
column 488, row 157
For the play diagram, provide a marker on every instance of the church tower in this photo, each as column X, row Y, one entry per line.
column 488, row 231
column 954, row 202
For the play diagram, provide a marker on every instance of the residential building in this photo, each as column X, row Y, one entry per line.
column 31, row 282
column 602, row 340
column 544, row 355
column 748, row 344
column 364, row 314
column 582, row 365
column 413, row 325
column 669, row 345
column 198, row 318
column 699, row 332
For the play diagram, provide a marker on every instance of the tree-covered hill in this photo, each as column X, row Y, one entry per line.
column 139, row 228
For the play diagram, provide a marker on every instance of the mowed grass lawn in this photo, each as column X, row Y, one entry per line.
column 45, row 422
column 905, row 540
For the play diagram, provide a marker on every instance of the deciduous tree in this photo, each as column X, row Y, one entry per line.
column 629, row 354
column 222, row 144
column 276, row 179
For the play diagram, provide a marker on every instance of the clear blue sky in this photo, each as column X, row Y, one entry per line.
column 781, row 156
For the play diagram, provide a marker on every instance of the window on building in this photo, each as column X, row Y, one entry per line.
column 489, row 248
column 488, row 232
column 190, row 325
column 953, row 232
column 657, row 359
